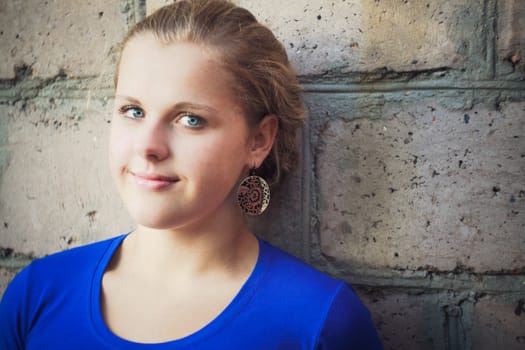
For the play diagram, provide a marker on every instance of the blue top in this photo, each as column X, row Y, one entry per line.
column 54, row 303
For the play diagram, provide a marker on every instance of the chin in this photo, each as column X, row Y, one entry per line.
column 150, row 218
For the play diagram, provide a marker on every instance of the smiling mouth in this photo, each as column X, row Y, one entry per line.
column 153, row 181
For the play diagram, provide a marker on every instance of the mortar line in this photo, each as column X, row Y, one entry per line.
column 491, row 18
column 36, row 88
column 140, row 10
column 490, row 284
column 408, row 86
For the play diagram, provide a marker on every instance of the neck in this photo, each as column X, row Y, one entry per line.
column 227, row 245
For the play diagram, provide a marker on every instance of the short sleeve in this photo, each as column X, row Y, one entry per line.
column 12, row 307
column 348, row 324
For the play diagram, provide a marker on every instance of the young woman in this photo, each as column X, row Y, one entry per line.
column 206, row 109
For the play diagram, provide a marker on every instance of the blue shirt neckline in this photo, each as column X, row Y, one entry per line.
column 237, row 304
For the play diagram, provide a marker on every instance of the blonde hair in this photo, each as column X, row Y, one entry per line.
column 265, row 80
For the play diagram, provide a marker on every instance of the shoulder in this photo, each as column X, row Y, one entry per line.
column 77, row 257
column 71, row 265
column 46, row 285
column 329, row 307
column 295, row 286
column 294, row 273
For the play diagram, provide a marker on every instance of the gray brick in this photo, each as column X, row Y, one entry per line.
column 56, row 188
column 5, row 278
column 75, row 38
column 365, row 36
column 407, row 321
column 425, row 188
column 510, row 41
column 499, row 323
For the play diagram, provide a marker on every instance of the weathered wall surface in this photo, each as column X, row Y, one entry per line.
column 412, row 184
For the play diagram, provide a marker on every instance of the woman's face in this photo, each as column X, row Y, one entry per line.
column 179, row 140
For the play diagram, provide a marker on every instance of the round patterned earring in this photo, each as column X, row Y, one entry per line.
column 253, row 194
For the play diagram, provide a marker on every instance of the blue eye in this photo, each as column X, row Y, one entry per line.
column 191, row 121
column 137, row 113
column 132, row 112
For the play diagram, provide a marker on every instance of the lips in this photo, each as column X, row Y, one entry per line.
column 153, row 181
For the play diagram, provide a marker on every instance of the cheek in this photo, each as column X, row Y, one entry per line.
column 230, row 157
column 222, row 160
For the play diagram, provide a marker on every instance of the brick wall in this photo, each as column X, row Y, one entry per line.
column 412, row 184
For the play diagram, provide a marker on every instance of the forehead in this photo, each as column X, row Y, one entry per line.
column 189, row 70
column 147, row 52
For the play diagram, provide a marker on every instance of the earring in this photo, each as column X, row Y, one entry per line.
column 253, row 194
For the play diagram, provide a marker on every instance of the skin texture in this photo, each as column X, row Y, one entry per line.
column 179, row 146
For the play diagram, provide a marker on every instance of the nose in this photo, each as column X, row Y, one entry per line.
column 152, row 141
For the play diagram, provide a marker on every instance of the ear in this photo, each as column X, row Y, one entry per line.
column 263, row 138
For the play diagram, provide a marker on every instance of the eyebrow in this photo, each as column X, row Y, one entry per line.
column 178, row 106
